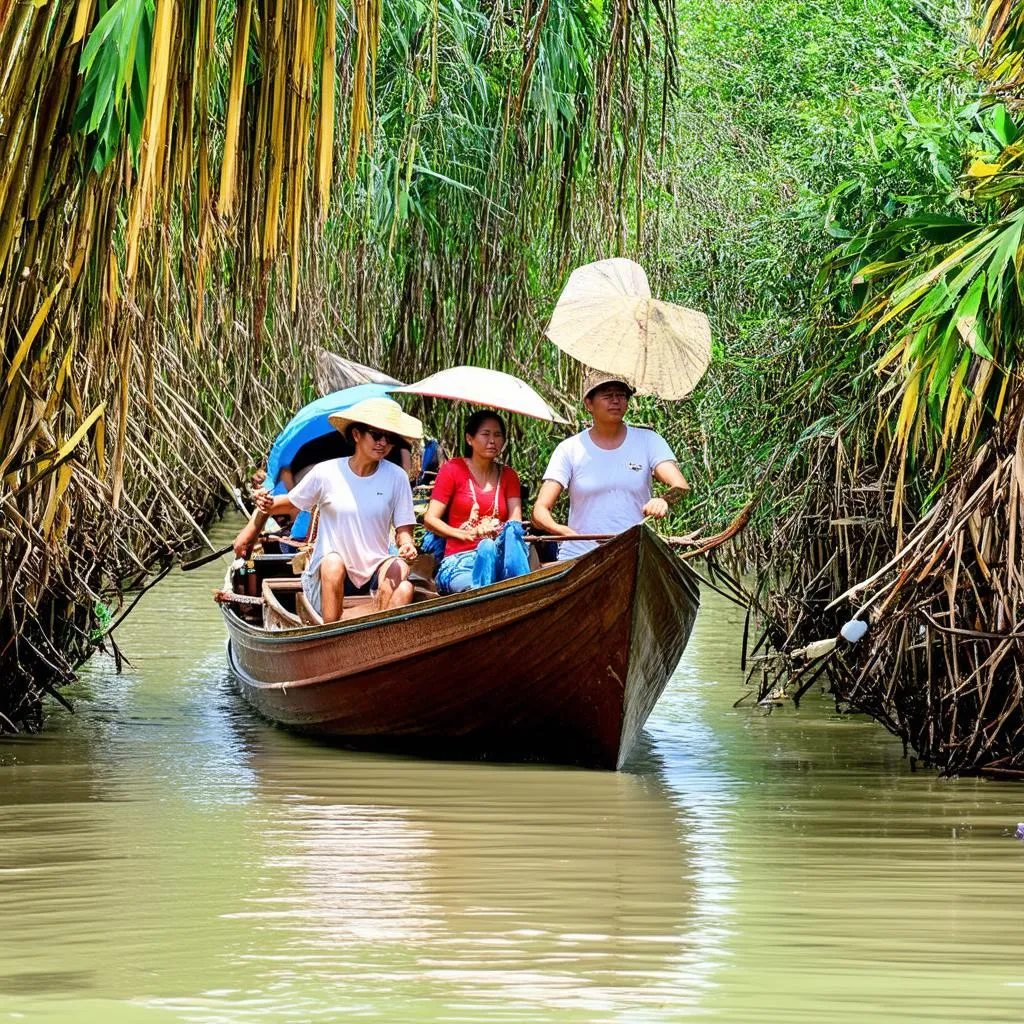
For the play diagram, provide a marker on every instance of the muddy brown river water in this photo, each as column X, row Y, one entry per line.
column 165, row 856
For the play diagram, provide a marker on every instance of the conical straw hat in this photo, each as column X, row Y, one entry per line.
column 381, row 413
column 607, row 319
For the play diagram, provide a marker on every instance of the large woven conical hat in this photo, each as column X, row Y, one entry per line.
column 607, row 319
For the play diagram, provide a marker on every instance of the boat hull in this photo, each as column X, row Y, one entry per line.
column 563, row 665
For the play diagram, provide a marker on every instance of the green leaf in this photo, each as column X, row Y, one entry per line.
column 1002, row 127
column 115, row 68
column 106, row 74
column 1004, row 257
column 98, row 36
column 944, row 369
column 966, row 318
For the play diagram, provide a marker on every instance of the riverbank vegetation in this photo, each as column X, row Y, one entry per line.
column 904, row 494
column 198, row 196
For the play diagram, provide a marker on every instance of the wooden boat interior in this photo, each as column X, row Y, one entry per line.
column 285, row 606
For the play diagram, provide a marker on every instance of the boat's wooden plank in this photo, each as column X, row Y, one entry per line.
column 275, row 615
column 286, row 583
column 312, row 658
column 437, row 603
column 665, row 606
column 307, row 613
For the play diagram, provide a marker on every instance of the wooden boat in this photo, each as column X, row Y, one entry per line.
column 563, row 665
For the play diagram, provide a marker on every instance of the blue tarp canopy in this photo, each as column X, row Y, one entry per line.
column 311, row 422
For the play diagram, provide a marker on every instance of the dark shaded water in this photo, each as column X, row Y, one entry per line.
column 165, row 856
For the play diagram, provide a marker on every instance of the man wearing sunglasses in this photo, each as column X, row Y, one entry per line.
column 607, row 471
column 360, row 498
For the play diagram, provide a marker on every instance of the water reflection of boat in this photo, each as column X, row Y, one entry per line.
column 562, row 665
column 523, row 861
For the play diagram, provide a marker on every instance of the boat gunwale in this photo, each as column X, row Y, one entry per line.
column 550, row 574
column 496, row 591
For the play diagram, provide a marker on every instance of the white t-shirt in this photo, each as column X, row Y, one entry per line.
column 607, row 489
column 356, row 513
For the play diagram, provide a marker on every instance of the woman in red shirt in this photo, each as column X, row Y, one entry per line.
column 477, row 508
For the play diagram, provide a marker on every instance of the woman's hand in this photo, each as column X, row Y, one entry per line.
column 264, row 499
column 656, row 508
column 488, row 527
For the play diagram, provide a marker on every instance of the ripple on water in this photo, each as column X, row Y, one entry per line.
column 164, row 855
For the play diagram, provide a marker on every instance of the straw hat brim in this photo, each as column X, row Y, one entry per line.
column 593, row 379
column 382, row 414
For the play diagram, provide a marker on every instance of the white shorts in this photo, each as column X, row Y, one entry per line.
column 312, row 588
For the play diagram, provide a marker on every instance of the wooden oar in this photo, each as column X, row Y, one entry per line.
column 693, row 540
column 557, row 538
column 195, row 563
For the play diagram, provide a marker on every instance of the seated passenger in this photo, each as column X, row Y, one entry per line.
column 326, row 448
column 432, row 459
column 607, row 471
column 476, row 507
column 360, row 498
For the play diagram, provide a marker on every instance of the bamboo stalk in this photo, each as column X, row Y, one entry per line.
column 236, row 94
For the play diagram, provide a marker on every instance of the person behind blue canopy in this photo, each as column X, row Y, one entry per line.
column 310, row 425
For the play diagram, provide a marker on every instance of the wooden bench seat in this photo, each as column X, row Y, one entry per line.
column 279, row 595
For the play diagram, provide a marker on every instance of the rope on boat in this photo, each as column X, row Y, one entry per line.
column 226, row 597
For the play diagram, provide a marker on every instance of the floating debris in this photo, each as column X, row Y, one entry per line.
column 853, row 630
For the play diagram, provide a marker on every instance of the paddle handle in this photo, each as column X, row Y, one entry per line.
column 195, row 563
column 698, row 545
column 557, row 538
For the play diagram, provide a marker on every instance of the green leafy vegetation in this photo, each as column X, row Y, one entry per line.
column 808, row 120
column 115, row 70
column 902, row 503
column 197, row 199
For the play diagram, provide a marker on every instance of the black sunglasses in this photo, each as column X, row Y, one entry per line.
column 383, row 435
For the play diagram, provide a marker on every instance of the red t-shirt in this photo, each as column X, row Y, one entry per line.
column 452, row 489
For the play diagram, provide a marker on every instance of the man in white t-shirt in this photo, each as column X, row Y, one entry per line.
column 360, row 498
column 607, row 471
